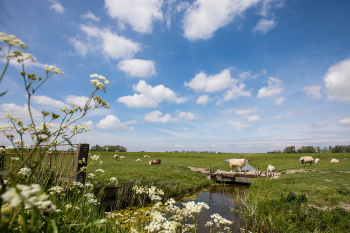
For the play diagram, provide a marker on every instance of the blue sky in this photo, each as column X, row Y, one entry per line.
column 230, row 76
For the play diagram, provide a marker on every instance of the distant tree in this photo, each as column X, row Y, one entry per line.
column 330, row 149
column 325, row 150
column 318, row 149
column 289, row 150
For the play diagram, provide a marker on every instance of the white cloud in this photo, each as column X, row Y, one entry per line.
column 243, row 111
column 337, row 81
column 113, row 46
column 90, row 15
column 204, row 17
column 138, row 68
column 157, row 116
column 235, row 92
column 80, row 100
column 247, row 74
column 279, row 101
column 138, row 101
column 131, row 122
column 211, row 83
column 79, row 46
column 264, row 26
column 89, row 123
column 313, row 91
column 238, row 126
column 139, row 14
column 287, row 115
column 150, row 96
column 345, row 122
column 185, row 128
column 186, row 115
column 19, row 111
column 274, row 87
column 47, row 101
column 203, row 99
column 178, row 145
column 253, row 118
column 57, row 7
column 112, row 122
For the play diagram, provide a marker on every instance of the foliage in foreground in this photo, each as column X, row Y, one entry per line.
column 290, row 213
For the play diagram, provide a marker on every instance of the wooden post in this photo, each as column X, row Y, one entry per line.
column 209, row 171
column 82, row 153
column 220, row 166
column 257, row 168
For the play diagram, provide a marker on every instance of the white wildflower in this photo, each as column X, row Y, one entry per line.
column 80, row 185
column 15, row 158
column 68, row 206
column 10, row 148
column 95, row 157
column 91, row 176
column 4, row 128
column 101, row 171
column 53, row 70
column 56, row 189
column 89, row 185
column 100, row 163
column 24, row 171
column 113, row 180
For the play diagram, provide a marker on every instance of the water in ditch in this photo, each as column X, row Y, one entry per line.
column 221, row 200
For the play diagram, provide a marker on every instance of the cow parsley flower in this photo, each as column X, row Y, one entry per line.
column 80, row 185
column 4, row 128
column 53, row 70
column 91, row 176
column 114, row 180
column 95, row 157
column 100, row 171
column 56, row 189
column 24, row 171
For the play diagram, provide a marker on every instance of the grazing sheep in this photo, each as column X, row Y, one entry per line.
column 122, row 157
column 155, row 162
column 115, row 157
column 317, row 161
column 238, row 163
column 137, row 160
column 307, row 159
column 334, row 161
column 146, row 156
column 271, row 170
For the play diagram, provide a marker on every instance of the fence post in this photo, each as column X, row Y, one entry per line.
column 82, row 153
column 220, row 166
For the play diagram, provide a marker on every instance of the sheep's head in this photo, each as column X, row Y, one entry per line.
column 301, row 159
column 246, row 160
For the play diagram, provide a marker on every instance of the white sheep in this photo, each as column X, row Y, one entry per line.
column 137, row 160
column 115, row 157
column 306, row 159
column 334, row 161
column 317, row 161
column 122, row 157
column 271, row 170
column 146, row 156
column 238, row 163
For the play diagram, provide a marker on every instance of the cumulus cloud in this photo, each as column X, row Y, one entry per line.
column 203, row 99
column 18, row 111
column 274, row 88
column 253, row 118
column 57, row 7
column 218, row 82
column 203, row 17
column 279, row 101
column 90, row 15
column 89, row 123
column 247, row 74
column 112, row 122
column 238, row 126
column 139, row 14
column 79, row 46
column 264, row 26
column 138, row 68
column 211, row 83
column 314, row 92
column 238, row 111
column 157, row 116
column 344, row 122
column 186, row 115
column 113, row 46
column 138, row 101
column 285, row 116
column 150, row 96
column 337, row 81
column 47, row 101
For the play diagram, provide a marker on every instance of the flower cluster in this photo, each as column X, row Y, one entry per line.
column 31, row 196
column 80, row 129
column 95, row 157
column 12, row 40
column 91, row 176
column 100, row 171
column 192, row 208
column 91, row 199
column 80, row 185
column 89, row 185
column 24, row 171
column 56, row 189
column 4, row 128
column 14, row 119
column 52, row 70
column 3, row 151
column 97, row 83
column 45, row 126
column 15, row 158
column 113, row 180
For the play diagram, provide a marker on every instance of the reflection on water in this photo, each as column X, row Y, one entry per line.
column 247, row 166
column 221, row 200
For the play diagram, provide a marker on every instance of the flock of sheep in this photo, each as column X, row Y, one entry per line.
column 240, row 163
column 151, row 162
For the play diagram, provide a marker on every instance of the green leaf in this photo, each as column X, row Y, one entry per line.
column 54, row 226
column 98, row 222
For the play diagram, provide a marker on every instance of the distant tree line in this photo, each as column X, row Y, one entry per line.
column 311, row 149
column 109, row 148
